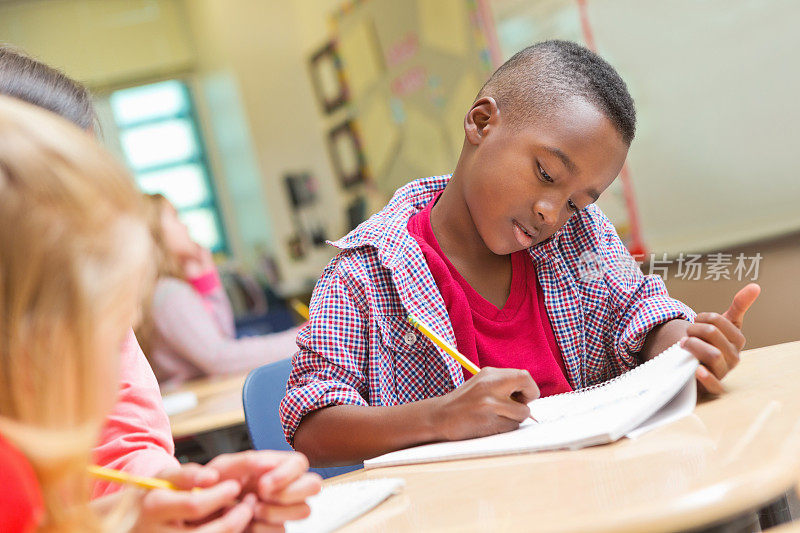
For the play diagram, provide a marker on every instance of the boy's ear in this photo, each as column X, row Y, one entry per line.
column 481, row 117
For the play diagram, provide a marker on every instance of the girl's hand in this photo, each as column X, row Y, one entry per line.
column 493, row 401
column 716, row 340
column 213, row 509
column 280, row 480
column 200, row 263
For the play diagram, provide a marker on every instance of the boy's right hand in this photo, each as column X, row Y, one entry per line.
column 493, row 401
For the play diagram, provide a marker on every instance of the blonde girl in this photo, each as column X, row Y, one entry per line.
column 188, row 329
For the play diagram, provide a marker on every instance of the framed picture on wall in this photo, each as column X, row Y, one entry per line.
column 347, row 156
column 356, row 212
column 302, row 188
column 327, row 77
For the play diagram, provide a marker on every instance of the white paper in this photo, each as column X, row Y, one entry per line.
column 179, row 402
column 339, row 504
column 586, row 417
column 681, row 405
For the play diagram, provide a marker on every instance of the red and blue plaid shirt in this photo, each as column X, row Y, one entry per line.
column 359, row 349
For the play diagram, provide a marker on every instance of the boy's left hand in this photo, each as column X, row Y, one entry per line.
column 716, row 340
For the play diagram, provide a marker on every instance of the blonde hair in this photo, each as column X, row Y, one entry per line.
column 167, row 265
column 73, row 240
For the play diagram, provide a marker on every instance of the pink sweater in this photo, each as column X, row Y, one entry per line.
column 195, row 333
column 136, row 437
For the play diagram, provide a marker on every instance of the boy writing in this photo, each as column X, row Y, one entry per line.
column 490, row 259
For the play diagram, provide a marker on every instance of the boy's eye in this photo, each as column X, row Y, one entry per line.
column 572, row 205
column 545, row 175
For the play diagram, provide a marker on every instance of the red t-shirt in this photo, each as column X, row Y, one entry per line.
column 21, row 505
column 517, row 336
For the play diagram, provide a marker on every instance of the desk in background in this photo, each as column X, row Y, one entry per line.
column 735, row 454
column 217, row 422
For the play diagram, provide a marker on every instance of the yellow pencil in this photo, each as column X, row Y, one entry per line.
column 300, row 308
column 468, row 365
column 118, row 476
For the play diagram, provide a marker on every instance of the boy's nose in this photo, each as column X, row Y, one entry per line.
column 546, row 212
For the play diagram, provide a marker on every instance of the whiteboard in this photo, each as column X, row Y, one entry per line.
column 716, row 86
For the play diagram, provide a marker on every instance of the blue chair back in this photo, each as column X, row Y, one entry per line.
column 262, row 393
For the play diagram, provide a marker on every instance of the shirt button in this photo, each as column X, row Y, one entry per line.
column 409, row 338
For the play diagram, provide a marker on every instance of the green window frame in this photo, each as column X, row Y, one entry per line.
column 158, row 133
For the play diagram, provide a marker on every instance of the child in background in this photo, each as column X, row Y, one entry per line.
column 491, row 259
column 75, row 261
column 188, row 329
column 136, row 436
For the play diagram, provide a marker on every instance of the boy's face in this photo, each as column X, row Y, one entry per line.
column 523, row 184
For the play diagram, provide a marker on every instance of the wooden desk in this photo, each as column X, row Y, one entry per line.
column 793, row 527
column 219, row 406
column 736, row 453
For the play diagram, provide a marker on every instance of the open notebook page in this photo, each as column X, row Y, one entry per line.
column 587, row 417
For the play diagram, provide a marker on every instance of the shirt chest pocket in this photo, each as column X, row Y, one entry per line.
column 599, row 326
column 596, row 310
column 593, row 293
column 406, row 360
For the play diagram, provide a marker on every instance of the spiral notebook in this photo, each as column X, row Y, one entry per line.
column 650, row 395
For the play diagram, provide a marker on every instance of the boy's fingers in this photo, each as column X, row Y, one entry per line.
column 709, row 356
column 503, row 425
column 299, row 490
column 278, row 514
column 514, row 410
column 712, row 335
column 164, row 504
column 521, row 384
column 731, row 332
column 707, row 380
column 741, row 303
column 236, row 519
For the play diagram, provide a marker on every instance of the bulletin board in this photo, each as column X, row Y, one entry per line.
column 412, row 69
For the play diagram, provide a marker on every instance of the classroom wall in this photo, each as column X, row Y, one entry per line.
column 254, row 45
column 774, row 318
column 313, row 23
column 102, row 42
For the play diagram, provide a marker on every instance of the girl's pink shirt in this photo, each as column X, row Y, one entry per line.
column 136, row 436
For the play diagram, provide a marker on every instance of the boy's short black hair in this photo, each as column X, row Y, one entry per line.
column 546, row 74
